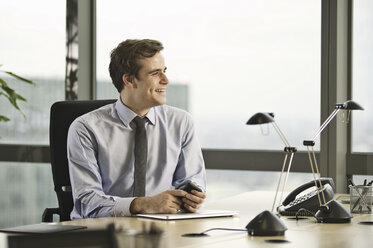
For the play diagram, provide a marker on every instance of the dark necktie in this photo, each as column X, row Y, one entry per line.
column 141, row 152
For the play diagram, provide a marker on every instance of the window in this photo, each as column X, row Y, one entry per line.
column 26, row 190
column 33, row 46
column 226, row 183
column 229, row 60
column 362, row 130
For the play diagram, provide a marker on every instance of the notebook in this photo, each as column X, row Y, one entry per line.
column 41, row 228
column 184, row 215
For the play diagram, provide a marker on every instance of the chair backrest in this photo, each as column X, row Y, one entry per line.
column 62, row 115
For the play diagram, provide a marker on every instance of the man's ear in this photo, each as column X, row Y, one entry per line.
column 128, row 81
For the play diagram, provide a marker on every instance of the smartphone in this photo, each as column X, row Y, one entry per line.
column 190, row 186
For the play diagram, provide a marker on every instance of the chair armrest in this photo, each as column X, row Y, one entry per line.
column 48, row 214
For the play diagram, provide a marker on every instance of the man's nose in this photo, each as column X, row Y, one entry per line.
column 164, row 79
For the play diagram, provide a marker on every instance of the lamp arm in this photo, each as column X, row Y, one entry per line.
column 314, row 175
column 318, row 174
column 326, row 122
column 279, row 181
column 287, row 175
column 280, row 134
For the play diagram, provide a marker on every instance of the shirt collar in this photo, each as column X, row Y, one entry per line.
column 126, row 115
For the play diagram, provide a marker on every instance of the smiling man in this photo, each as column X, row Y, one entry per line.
column 137, row 154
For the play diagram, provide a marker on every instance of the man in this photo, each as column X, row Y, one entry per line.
column 105, row 166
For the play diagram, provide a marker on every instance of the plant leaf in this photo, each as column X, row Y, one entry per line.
column 4, row 118
column 3, row 83
column 13, row 97
column 20, row 98
column 19, row 77
column 11, row 94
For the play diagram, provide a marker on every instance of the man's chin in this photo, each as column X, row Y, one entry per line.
column 162, row 102
column 158, row 104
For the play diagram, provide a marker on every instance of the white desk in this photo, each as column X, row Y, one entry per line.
column 304, row 233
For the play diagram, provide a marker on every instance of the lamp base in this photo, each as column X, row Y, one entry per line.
column 333, row 212
column 266, row 224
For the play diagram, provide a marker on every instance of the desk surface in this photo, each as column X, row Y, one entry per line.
column 303, row 233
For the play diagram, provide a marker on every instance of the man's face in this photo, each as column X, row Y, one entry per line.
column 151, row 82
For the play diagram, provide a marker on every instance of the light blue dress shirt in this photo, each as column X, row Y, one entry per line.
column 100, row 149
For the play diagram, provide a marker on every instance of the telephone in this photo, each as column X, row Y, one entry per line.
column 309, row 201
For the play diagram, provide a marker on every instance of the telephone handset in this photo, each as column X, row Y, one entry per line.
column 309, row 201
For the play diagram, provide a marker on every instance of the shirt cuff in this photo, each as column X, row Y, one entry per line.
column 122, row 206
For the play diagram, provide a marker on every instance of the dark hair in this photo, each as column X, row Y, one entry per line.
column 124, row 58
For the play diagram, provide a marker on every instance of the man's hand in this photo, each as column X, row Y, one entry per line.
column 193, row 201
column 168, row 202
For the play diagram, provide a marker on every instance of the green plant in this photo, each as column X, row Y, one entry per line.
column 11, row 94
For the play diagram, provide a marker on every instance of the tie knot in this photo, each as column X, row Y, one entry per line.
column 140, row 122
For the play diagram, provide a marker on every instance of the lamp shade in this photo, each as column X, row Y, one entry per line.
column 260, row 118
column 351, row 105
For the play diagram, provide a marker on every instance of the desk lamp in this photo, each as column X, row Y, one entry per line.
column 331, row 211
column 267, row 223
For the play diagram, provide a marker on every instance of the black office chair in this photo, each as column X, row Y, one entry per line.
column 62, row 115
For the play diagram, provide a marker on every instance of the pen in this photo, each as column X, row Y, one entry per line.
column 351, row 182
column 365, row 192
column 358, row 200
